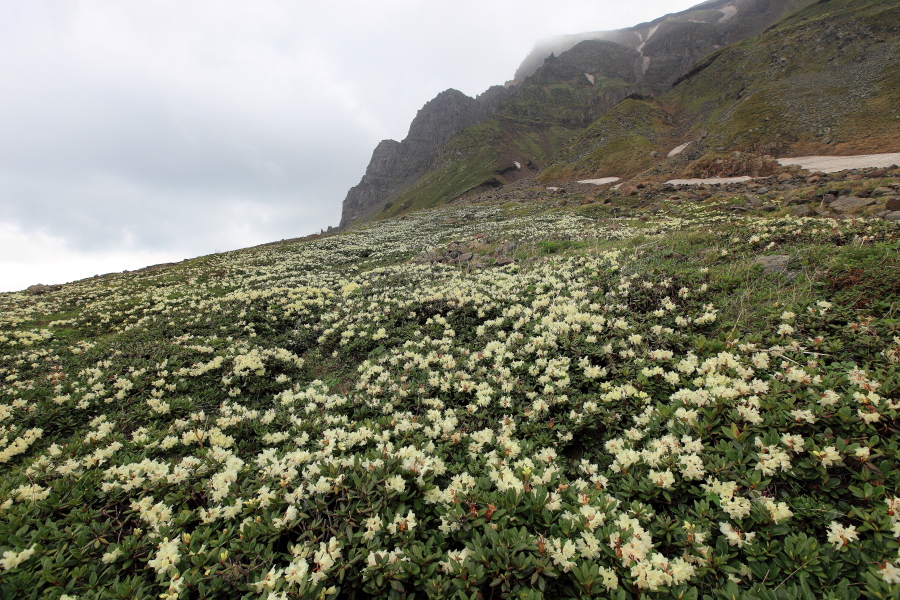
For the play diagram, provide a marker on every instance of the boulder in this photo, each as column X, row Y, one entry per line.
column 507, row 247
column 893, row 203
column 800, row 211
column 768, row 208
column 882, row 191
column 502, row 261
column 892, row 216
column 846, row 204
column 39, row 288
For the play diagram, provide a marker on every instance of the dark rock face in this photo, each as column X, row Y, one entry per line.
column 396, row 165
column 383, row 176
column 671, row 45
column 595, row 57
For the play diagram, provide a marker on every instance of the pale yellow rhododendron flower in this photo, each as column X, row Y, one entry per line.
column 841, row 535
column 12, row 559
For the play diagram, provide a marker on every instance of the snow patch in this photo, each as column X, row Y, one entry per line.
column 589, row 78
column 832, row 164
column 518, row 164
column 704, row 22
column 678, row 150
column 602, row 181
column 728, row 13
column 645, row 39
column 646, row 64
column 709, row 181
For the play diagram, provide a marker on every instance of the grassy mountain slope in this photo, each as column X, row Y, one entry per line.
column 482, row 157
column 823, row 81
column 529, row 127
column 618, row 144
column 634, row 409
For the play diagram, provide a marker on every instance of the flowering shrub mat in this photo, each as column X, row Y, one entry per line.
column 633, row 408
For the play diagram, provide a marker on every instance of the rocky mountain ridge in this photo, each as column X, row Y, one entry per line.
column 673, row 43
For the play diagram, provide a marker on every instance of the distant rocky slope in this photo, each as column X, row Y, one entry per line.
column 671, row 44
column 459, row 145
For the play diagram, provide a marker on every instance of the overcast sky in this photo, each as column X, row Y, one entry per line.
column 133, row 133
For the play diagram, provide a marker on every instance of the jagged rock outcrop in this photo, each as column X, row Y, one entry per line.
column 397, row 165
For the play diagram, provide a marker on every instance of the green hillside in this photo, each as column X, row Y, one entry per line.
column 617, row 144
column 826, row 80
column 675, row 402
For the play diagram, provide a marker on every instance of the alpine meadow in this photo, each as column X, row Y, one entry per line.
column 592, row 334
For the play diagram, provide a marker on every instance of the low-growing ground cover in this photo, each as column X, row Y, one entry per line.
column 634, row 409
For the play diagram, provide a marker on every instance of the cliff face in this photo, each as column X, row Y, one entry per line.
column 397, row 165
column 383, row 176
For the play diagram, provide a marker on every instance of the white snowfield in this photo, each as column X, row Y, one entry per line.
column 832, row 164
column 678, row 150
column 728, row 13
column 602, row 181
column 708, row 181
